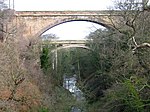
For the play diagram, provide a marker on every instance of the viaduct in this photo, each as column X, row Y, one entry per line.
column 35, row 23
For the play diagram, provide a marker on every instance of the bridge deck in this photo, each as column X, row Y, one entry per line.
column 66, row 13
column 68, row 41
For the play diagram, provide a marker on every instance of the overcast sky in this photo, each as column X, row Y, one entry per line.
column 38, row 5
column 74, row 30
column 61, row 4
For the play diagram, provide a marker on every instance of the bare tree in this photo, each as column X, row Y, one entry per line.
column 7, row 29
column 132, row 13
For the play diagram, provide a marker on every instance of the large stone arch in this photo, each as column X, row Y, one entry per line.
column 37, row 22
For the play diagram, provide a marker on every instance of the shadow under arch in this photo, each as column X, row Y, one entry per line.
column 59, row 22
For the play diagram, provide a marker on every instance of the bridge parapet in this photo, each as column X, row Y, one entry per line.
column 66, row 13
column 68, row 41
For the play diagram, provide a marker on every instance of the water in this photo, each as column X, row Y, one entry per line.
column 70, row 84
column 75, row 109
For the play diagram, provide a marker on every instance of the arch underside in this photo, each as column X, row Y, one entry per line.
column 61, row 21
column 71, row 46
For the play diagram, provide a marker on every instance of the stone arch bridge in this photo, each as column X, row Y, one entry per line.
column 64, row 44
column 34, row 23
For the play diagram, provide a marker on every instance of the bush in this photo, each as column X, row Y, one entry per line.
column 126, row 97
column 42, row 109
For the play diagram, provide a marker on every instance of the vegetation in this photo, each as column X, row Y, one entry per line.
column 114, row 75
column 45, row 59
column 122, row 64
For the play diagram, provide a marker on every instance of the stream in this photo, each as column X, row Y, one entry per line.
column 70, row 84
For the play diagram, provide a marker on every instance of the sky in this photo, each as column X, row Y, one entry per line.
column 76, row 30
column 39, row 5
column 61, row 4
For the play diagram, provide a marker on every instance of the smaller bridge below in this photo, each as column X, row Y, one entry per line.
column 64, row 44
column 68, row 41
column 71, row 46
